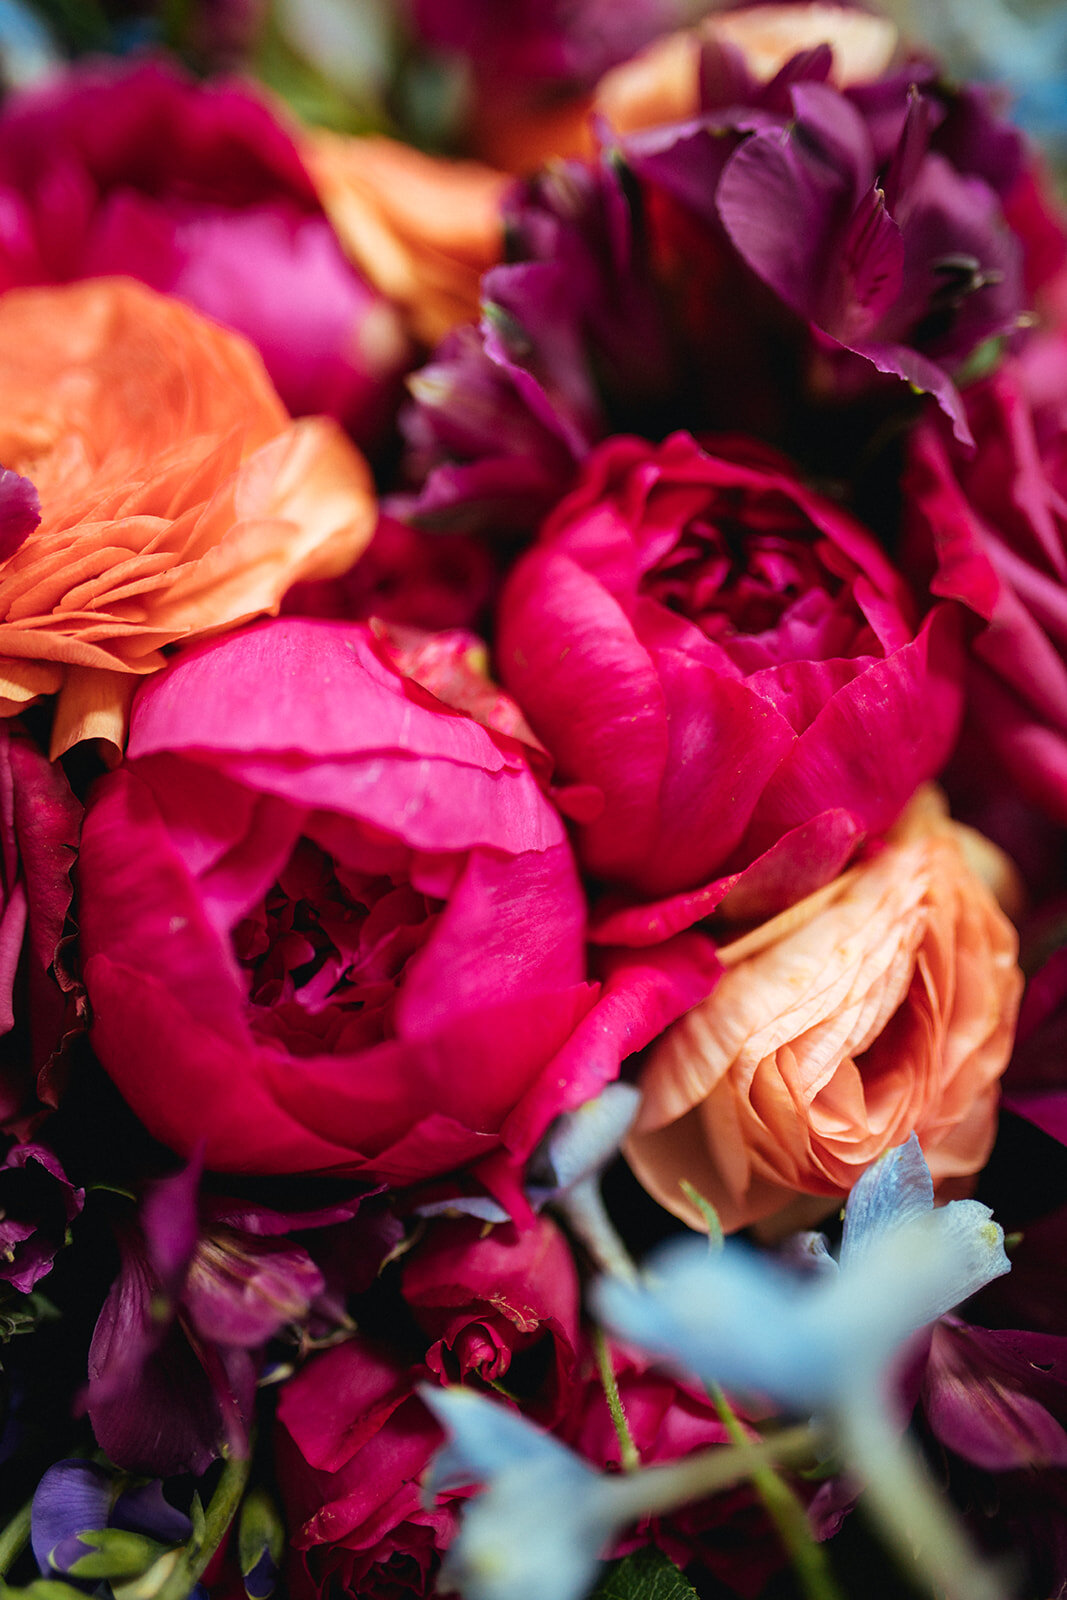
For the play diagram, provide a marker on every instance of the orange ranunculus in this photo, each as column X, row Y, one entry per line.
column 881, row 1005
column 420, row 228
column 177, row 496
column 661, row 83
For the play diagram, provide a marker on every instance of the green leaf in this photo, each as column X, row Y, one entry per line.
column 646, row 1575
column 42, row 1589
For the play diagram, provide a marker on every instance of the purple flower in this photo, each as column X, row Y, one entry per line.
column 78, row 1499
column 786, row 263
column 873, row 213
column 177, row 1348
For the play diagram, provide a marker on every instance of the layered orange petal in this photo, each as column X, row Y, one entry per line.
column 883, row 1005
column 177, row 496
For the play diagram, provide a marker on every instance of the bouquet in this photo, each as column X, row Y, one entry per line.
column 533, row 793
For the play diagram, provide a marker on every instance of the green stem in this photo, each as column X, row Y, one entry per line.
column 654, row 1490
column 221, row 1510
column 629, row 1455
column 806, row 1555
column 903, row 1501
column 585, row 1211
column 15, row 1537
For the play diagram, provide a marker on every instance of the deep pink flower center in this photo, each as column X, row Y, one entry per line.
column 748, row 571
column 326, row 951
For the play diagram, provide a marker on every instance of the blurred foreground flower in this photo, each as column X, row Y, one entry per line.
column 824, row 1342
column 198, row 191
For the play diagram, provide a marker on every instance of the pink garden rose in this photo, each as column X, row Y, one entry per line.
column 486, row 1296
column 991, row 529
column 330, row 923
column 199, row 192
column 353, row 1442
column 726, row 669
column 727, row 1534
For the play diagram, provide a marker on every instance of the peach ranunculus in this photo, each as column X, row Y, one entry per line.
column 883, row 1004
column 420, row 228
column 661, row 83
column 178, row 498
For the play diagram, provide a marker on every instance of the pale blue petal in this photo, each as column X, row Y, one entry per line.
column 727, row 1318
column 465, row 1205
column 893, row 1190
column 537, row 1533
column 537, row 1530
column 581, row 1143
column 486, row 1438
column 809, row 1340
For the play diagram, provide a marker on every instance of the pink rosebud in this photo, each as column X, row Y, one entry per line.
column 484, row 1297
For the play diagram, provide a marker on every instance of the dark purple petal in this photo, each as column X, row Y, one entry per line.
column 20, row 511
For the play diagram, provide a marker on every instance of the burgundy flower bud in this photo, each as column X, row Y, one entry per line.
column 37, row 1205
column 483, row 1297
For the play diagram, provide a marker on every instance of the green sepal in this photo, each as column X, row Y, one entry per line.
column 116, row 1553
column 259, row 1528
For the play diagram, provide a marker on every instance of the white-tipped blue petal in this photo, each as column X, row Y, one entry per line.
column 580, row 1143
column 465, row 1205
column 486, row 1438
column 537, row 1533
column 893, row 1190
column 809, row 1340
column 727, row 1318
column 537, row 1530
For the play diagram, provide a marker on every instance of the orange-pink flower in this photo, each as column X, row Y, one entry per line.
column 881, row 1005
column 177, row 496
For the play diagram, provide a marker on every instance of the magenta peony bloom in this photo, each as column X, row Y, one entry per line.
column 485, row 1296
column 725, row 666
column 330, row 923
column 199, row 192
column 990, row 530
column 353, row 1443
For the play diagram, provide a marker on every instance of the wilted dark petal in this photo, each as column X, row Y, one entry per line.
column 149, row 1400
column 37, row 1202
column 991, row 1395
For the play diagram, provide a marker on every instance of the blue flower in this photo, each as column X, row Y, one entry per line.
column 812, row 1341
column 537, row 1531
